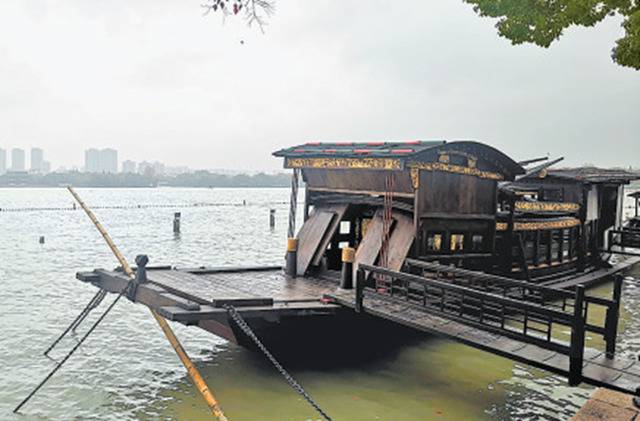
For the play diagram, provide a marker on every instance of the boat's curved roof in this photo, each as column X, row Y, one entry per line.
column 410, row 150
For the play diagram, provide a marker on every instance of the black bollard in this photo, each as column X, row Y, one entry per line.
column 176, row 222
column 272, row 218
column 41, row 239
column 291, row 267
column 346, row 277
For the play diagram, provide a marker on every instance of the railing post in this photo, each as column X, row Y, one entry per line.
column 613, row 314
column 576, row 352
column 291, row 264
column 346, row 277
column 359, row 289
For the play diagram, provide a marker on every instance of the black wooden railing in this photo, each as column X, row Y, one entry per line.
column 625, row 237
column 489, row 304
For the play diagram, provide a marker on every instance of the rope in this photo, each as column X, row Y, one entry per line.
column 142, row 206
column 91, row 305
column 387, row 219
column 293, row 203
column 237, row 318
column 73, row 350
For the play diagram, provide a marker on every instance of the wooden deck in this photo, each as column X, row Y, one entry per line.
column 198, row 296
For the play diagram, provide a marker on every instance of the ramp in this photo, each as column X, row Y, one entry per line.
column 513, row 320
column 400, row 241
column 315, row 234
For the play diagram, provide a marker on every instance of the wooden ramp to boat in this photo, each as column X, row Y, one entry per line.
column 506, row 317
column 197, row 296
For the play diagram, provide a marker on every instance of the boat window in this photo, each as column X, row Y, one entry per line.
column 434, row 241
column 457, row 242
column 477, row 241
column 345, row 227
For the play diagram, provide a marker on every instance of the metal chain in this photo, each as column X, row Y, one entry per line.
column 233, row 313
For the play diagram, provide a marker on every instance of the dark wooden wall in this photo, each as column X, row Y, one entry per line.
column 450, row 193
column 362, row 180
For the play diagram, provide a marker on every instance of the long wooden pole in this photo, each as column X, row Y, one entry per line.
column 173, row 340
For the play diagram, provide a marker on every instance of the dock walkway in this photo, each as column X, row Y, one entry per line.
column 621, row 375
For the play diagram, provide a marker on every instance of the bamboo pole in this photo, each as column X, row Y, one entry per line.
column 173, row 340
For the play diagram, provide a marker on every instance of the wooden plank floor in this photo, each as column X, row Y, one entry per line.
column 205, row 288
column 618, row 374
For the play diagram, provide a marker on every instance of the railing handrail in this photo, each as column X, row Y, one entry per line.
column 558, row 315
column 489, row 277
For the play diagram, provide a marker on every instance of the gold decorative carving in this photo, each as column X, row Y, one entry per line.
column 443, row 157
column 540, row 225
column 457, row 169
column 345, row 163
column 546, row 207
column 415, row 178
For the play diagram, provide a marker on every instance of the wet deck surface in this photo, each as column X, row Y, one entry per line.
column 619, row 374
column 205, row 287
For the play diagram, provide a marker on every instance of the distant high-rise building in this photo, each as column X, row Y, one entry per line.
column 37, row 159
column 17, row 160
column 145, row 168
column 128, row 166
column 92, row 160
column 158, row 168
column 109, row 161
column 101, row 161
column 46, row 167
column 3, row 161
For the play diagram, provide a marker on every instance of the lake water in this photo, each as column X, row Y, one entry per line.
column 126, row 369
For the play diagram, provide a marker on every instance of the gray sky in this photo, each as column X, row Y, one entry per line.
column 158, row 81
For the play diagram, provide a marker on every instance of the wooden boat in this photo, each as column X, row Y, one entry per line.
column 451, row 238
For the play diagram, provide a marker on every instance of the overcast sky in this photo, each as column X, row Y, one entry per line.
column 156, row 80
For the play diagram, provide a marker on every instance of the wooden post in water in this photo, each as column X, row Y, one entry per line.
column 176, row 222
column 272, row 218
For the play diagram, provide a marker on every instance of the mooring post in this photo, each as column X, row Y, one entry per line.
column 346, row 278
column 359, row 290
column 176, row 222
column 291, row 268
column 41, row 240
column 576, row 351
column 272, row 218
column 613, row 314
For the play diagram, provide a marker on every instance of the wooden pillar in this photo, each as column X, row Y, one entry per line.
column 306, row 203
column 536, row 248
column 509, row 240
column 582, row 232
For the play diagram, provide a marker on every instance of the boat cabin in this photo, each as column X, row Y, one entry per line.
column 460, row 202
